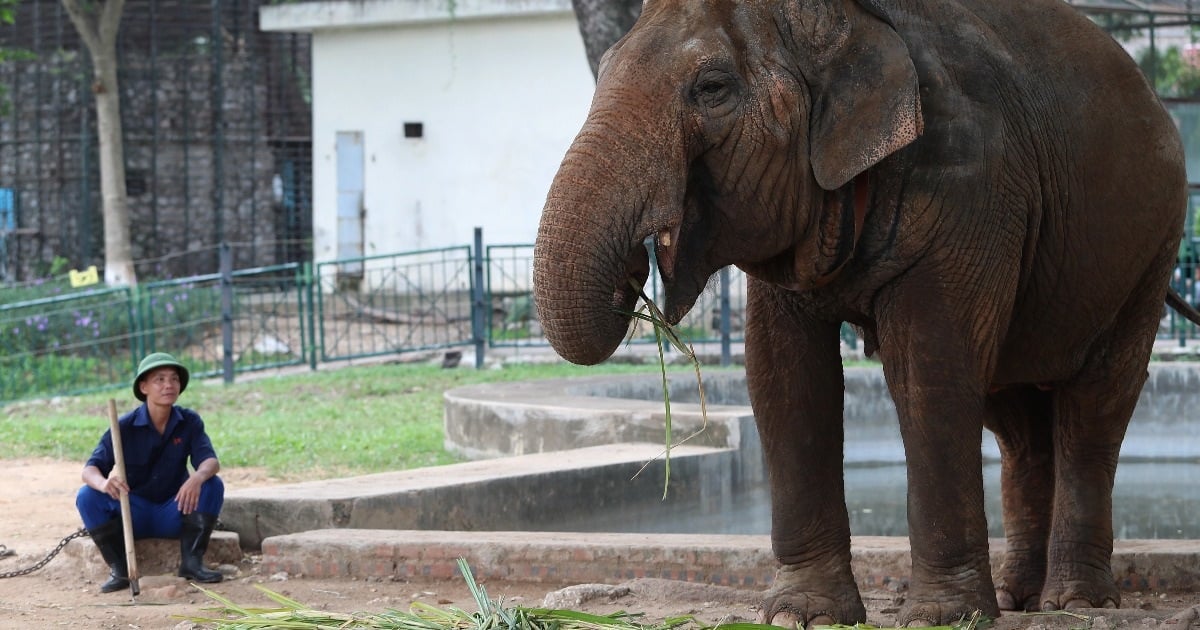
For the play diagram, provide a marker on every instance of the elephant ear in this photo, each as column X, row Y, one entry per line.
column 865, row 99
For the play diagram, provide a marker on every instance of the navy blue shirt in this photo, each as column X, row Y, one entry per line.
column 155, row 465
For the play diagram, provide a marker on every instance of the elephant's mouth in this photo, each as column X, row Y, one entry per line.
column 666, row 246
column 637, row 270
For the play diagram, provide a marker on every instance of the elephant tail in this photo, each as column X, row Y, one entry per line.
column 1176, row 301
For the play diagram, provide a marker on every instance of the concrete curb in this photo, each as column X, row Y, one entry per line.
column 568, row 558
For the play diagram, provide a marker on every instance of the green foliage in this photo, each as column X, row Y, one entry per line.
column 1174, row 74
column 6, row 11
column 7, row 54
column 354, row 420
column 27, row 375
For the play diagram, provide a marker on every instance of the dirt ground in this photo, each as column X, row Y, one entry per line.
column 37, row 511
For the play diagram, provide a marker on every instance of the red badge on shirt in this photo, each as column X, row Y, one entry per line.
column 178, row 441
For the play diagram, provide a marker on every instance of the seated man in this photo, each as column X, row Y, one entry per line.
column 165, row 500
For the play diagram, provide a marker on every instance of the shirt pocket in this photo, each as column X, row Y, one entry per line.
column 137, row 467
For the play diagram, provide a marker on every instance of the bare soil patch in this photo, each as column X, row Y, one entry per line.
column 37, row 510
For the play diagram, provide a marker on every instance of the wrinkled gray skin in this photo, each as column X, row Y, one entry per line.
column 1021, row 196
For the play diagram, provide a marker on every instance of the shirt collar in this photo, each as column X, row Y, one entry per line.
column 141, row 418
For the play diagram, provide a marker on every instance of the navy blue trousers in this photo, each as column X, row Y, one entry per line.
column 150, row 519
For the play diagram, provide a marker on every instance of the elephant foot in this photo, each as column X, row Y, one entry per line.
column 1078, row 594
column 1019, row 583
column 1012, row 600
column 924, row 614
column 940, row 604
column 795, row 601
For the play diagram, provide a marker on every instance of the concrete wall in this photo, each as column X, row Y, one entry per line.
column 547, row 492
column 497, row 420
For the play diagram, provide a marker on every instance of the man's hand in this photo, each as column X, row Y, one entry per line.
column 114, row 485
column 188, row 496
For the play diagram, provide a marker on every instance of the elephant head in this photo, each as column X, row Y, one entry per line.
column 722, row 130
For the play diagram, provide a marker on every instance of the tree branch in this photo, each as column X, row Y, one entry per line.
column 80, row 17
column 110, row 20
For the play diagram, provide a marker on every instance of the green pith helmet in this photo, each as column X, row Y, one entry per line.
column 154, row 361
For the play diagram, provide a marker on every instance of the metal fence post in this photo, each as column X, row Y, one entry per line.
column 227, row 311
column 139, row 328
column 478, row 307
column 726, row 354
column 310, row 306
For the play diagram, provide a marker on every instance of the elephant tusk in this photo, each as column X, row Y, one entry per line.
column 664, row 237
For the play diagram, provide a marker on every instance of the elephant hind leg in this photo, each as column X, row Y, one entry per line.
column 1091, row 414
column 1090, row 423
column 1020, row 418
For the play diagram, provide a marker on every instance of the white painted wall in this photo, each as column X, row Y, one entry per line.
column 502, row 90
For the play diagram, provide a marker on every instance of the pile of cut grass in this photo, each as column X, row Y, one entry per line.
column 492, row 615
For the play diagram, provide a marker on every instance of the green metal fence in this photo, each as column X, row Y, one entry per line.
column 379, row 305
column 67, row 344
column 247, row 320
column 219, row 324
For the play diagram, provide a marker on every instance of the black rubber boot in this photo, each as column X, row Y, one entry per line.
column 196, row 529
column 110, row 539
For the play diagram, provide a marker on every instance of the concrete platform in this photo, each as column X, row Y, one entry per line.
column 563, row 558
column 536, row 492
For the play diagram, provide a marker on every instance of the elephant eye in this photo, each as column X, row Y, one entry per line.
column 712, row 89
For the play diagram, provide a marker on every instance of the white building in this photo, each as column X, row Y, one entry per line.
column 431, row 117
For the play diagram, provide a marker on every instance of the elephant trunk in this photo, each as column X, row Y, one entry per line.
column 589, row 257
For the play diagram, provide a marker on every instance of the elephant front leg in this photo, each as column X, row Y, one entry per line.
column 934, row 371
column 951, row 571
column 793, row 368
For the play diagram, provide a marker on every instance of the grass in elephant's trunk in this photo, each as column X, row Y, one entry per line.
column 663, row 330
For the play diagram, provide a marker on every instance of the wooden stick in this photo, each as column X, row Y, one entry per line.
column 126, row 513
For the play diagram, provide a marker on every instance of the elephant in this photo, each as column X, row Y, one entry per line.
column 988, row 190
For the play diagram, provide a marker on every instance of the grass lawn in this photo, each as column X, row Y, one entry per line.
column 310, row 425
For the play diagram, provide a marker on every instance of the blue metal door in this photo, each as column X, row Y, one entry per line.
column 351, row 211
column 8, row 223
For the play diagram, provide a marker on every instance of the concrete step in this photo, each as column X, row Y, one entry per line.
column 155, row 556
column 566, row 558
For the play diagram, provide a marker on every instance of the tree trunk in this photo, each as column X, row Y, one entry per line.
column 98, row 24
column 602, row 23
